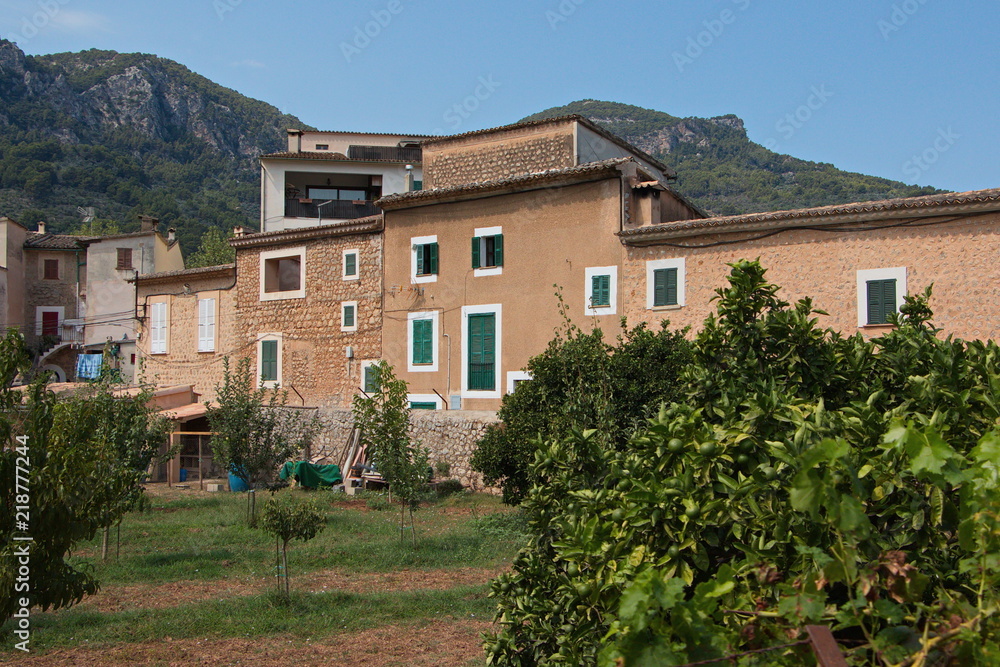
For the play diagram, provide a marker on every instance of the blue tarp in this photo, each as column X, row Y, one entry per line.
column 88, row 366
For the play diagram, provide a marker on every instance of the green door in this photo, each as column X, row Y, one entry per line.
column 482, row 352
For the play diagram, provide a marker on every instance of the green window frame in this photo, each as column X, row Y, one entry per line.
column 351, row 265
column 665, row 287
column 487, row 251
column 423, row 405
column 427, row 259
column 600, row 291
column 881, row 300
column 482, row 352
column 269, row 361
column 423, row 341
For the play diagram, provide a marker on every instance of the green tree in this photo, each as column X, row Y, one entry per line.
column 213, row 250
column 384, row 420
column 98, row 227
column 253, row 432
column 289, row 521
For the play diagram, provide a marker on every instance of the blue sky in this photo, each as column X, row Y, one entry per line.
column 905, row 89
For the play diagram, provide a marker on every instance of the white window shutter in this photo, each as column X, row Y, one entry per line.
column 206, row 325
column 158, row 328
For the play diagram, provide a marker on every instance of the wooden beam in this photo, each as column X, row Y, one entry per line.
column 828, row 653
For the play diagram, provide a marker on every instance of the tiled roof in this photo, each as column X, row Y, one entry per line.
column 430, row 196
column 404, row 135
column 109, row 237
column 183, row 273
column 902, row 207
column 372, row 223
column 326, row 155
column 54, row 241
column 559, row 119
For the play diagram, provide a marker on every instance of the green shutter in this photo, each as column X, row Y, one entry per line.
column 881, row 300
column 888, row 299
column 498, row 250
column 421, row 261
column 476, row 242
column 348, row 316
column 371, row 380
column 600, row 291
column 418, row 185
column 351, row 264
column 433, row 253
column 269, row 360
column 420, row 405
column 665, row 287
column 482, row 352
column 423, row 341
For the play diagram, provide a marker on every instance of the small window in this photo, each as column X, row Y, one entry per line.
column 269, row 361
column 881, row 300
column 422, row 405
column 370, row 379
column 665, row 287
column 600, row 291
column 51, row 269
column 350, row 264
column 418, row 185
column 322, row 147
column 423, row 342
column 124, row 258
column 487, row 251
column 427, row 259
column 349, row 316
column 282, row 274
column 880, row 293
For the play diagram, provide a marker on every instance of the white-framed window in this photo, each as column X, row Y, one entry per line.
column 349, row 316
column 206, row 325
column 369, row 376
column 49, row 320
column 423, row 259
column 422, row 332
column 269, row 359
column 514, row 378
column 350, row 267
column 665, row 283
column 425, row 402
column 880, row 292
column 159, row 314
column 601, row 290
column 487, row 251
column 283, row 274
column 482, row 345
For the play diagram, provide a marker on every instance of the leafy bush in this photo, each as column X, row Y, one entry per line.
column 807, row 478
column 449, row 487
column 580, row 380
column 504, row 525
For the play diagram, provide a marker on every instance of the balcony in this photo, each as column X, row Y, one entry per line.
column 331, row 209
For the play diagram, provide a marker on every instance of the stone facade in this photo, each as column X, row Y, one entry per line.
column 50, row 293
column 315, row 365
column 183, row 363
column 495, row 160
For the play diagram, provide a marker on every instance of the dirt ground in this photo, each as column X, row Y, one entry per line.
column 444, row 643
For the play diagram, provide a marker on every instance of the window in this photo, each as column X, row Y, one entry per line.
column 665, row 283
column 51, row 269
column 124, row 258
column 369, row 377
column 482, row 348
column 487, row 251
column 49, row 320
column 422, row 339
column 327, row 193
column 269, row 359
column 206, row 325
column 350, row 264
column 880, row 293
column 158, row 327
column 349, row 316
column 515, row 378
column 322, row 147
column 418, row 185
column 423, row 259
column 601, row 290
column 421, row 405
column 424, row 402
column 282, row 274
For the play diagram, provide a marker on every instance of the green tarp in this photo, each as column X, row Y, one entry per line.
column 310, row 475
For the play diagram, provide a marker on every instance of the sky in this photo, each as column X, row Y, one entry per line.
column 904, row 89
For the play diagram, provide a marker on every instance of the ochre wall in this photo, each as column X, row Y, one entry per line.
column 958, row 257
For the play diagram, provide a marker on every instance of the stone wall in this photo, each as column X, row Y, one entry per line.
column 497, row 160
column 46, row 292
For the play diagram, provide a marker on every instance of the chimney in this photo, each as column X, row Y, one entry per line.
column 171, row 235
column 408, row 182
column 148, row 223
column 294, row 141
column 238, row 231
column 41, row 227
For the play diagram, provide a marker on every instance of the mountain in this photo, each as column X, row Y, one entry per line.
column 129, row 134
column 721, row 170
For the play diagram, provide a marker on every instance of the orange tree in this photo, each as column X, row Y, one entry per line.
column 805, row 478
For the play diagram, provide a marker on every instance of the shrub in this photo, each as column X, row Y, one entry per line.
column 449, row 487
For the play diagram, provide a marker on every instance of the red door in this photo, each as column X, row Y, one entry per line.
column 50, row 323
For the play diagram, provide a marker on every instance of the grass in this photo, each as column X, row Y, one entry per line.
column 198, row 538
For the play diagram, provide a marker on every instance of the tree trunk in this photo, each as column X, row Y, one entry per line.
column 104, row 542
column 284, row 565
column 413, row 530
column 118, row 542
column 277, row 561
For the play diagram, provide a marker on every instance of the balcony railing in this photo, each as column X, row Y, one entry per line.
column 333, row 209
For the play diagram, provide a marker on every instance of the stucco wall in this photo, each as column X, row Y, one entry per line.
column 550, row 238
column 958, row 257
column 313, row 359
